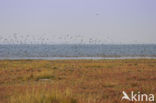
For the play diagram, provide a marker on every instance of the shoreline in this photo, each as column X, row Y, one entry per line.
column 76, row 58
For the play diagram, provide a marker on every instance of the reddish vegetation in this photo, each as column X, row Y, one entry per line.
column 75, row 81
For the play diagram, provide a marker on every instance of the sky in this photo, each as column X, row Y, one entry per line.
column 78, row 21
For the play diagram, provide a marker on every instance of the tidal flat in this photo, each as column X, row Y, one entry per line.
column 75, row 81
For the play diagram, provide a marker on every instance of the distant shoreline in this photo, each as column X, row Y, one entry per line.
column 75, row 58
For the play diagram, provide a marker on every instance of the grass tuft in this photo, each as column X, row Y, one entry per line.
column 42, row 96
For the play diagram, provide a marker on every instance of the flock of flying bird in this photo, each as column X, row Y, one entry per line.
column 25, row 50
column 44, row 39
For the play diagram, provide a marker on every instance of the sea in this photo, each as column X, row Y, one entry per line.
column 76, row 51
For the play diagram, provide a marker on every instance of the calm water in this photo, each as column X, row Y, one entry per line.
column 76, row 51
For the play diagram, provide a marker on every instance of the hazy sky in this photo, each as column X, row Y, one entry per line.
column 78, row 21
